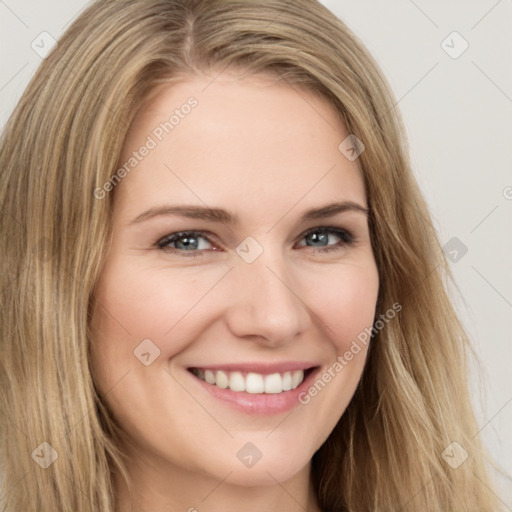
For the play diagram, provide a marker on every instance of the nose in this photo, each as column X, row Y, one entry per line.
column 264, row 303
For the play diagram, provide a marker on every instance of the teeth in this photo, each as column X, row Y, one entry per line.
column 287, row 381
column 236, row 381
column 273, row 383
column 221, row 379
column 297, row 378
column 255, row 383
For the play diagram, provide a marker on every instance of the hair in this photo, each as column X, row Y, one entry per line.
column 64, row 140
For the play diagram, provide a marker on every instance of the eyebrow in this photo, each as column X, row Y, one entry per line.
column 224, row 216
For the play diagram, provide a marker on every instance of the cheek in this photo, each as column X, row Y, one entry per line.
column 133, row 304
column 344, row 301
column 347, row 312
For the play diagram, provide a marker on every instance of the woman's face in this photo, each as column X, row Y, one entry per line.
column 269, row 282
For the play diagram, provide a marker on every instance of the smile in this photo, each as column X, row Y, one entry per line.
column 250, row 382
column 259, row 388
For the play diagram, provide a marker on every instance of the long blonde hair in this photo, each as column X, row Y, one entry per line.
column 63, row 141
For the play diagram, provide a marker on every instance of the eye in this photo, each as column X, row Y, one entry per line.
column 319, row 237
column 186, row 241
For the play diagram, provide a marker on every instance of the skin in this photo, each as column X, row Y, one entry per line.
column 266, row 152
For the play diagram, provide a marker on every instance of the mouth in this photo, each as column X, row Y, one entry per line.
column 252, row 382
column 255, row 389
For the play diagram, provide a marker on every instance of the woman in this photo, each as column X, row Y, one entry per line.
column 178, row 332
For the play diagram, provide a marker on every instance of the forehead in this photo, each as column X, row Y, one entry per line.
column 249, row 143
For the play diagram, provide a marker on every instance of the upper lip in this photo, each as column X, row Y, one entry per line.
column 259, row 367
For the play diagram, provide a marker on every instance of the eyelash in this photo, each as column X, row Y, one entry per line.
column 346, row 237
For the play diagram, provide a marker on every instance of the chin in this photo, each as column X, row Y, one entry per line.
column 265, row 461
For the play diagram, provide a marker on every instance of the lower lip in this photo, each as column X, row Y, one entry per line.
column 258, row 403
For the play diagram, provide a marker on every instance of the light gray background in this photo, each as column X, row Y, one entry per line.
column 458, row 115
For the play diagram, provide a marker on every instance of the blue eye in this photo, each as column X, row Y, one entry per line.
column 188, row 240
column 319, row 237
column 195, row 243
